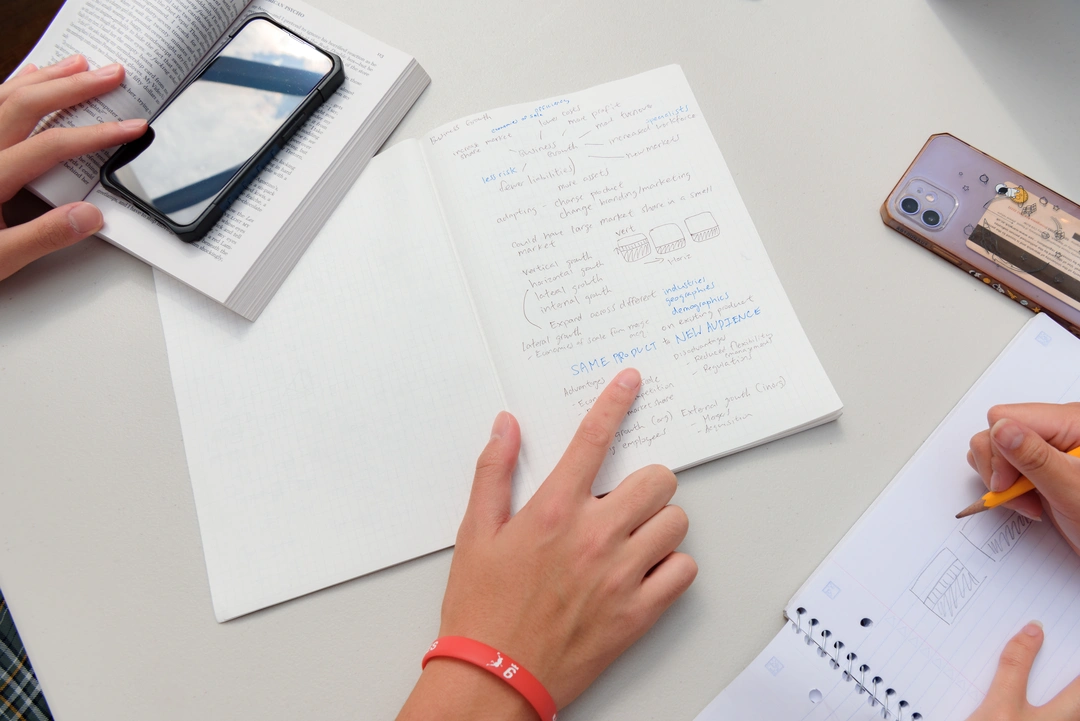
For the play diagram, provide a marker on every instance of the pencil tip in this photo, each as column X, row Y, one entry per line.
column 977, row 507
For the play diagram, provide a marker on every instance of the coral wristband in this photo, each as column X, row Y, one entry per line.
column 492, row 661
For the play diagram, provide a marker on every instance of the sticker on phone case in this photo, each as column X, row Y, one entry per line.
column 1033, row 238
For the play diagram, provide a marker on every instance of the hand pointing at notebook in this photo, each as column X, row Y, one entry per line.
column 1031, row 439
column 24, row 100
column 564, row 586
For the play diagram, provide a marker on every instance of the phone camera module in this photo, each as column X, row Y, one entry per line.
column 910, row 206
column 932, row 218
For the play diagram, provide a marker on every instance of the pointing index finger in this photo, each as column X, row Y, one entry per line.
column 590, row 445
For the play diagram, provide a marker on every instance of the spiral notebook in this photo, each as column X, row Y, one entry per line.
column 907, row 616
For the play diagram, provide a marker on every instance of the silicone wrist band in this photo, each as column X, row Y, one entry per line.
column 492, row 661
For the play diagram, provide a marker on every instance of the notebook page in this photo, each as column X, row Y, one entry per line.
column 602, row 229
column 788, row 680
column 337, row 435
column 926, row 602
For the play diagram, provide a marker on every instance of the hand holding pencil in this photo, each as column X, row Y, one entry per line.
column 1036, row 446
column 1030, row 443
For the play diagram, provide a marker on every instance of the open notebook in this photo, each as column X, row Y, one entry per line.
column 517, row 258
column 906, row 617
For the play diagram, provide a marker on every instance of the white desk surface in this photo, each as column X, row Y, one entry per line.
column 818, row 108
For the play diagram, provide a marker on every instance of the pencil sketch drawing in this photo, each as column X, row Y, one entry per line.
column 946, row 586
column 702, row 227
column 996, row 532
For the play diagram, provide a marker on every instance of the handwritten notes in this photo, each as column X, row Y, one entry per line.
column 601, row 230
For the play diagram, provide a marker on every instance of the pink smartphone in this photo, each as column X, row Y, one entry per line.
column 1016, row 236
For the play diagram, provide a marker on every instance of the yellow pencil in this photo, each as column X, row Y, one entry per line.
column 993, row 500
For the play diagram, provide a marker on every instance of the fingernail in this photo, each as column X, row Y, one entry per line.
column 27, row 69
column 108, row 71
column 1033, row 628
column 133, row 124
column 85, row 218
column 501, row 425
column 1007, row 434
column 629, row 379
column 997, row 483
column 69, row 61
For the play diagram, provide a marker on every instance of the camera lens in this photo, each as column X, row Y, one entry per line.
column 909, row 205
column 931, row 218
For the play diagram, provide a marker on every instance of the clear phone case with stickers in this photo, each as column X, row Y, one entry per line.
column 1001, row 227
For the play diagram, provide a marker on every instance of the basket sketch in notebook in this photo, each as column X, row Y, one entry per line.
column 995, row 532
column 946, row 586
column 892, row 704
column 667, row 238
column 702, row 227
column 634, row 247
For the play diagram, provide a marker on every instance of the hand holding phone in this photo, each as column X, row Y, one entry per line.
column 224, row 126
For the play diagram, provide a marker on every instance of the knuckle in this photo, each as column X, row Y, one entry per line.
column 551, row 516
column 1015, row 656
column 76, row 82
column 680, row 522
column 1034, row 454
column 594, row 434
column 488, row 461
column 595, row 543
column 688, row 570
column 51, row 141
column 691, row 569
column 996, row 413
column 672, row 525
column 20, row 97
column 634, row 617
column 52, row 235
column 663, row 479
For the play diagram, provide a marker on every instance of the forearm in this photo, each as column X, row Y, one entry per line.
column 452, row 690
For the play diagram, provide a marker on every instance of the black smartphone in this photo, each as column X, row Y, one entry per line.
column 207, row 144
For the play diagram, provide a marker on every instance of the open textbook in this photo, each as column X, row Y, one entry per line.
column 516, row 258
column 243, row 260
column 907, row 616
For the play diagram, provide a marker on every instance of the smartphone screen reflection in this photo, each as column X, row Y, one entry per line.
column 202, row 139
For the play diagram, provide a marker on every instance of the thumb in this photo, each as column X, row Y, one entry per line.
column 1011, row 680
column 57, row 229
column 1052, row 471
column 489, row 502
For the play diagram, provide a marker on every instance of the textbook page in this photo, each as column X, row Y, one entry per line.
column 602, row 229
column 913, row 607
column 338, row 435
column 159, row 42
column 218, row 262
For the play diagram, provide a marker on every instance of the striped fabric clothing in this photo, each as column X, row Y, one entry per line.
column 20, row 694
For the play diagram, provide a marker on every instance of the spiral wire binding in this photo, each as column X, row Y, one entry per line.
column 888, row 710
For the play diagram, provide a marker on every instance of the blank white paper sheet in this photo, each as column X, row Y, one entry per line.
column 330, row 465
